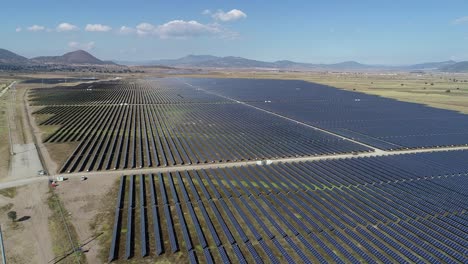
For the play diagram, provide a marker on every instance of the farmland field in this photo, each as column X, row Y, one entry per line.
column 395, row 209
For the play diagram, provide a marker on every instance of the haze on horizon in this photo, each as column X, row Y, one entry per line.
column 372, row 32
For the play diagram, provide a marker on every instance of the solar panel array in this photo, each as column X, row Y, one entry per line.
column 384, row 123
column 121, row 125
column 391, row 209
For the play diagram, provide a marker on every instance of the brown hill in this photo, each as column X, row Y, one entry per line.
column 74, row 57
column 8, row 57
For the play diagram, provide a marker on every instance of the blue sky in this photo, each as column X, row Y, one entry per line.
column 368, row 31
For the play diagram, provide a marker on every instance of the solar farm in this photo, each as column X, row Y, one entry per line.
column 164, row 123
column 350, row 177
column 384, row 123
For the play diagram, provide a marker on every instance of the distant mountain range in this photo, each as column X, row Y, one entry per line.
column 432, row 65
column 81, row 57
column 209, row 61
column 456, row 67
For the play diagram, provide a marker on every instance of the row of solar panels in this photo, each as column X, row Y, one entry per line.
column 292, row 214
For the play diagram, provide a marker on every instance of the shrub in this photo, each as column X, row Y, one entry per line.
column 12, row 215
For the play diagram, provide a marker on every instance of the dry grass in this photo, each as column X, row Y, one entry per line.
column 59, row 152
column 59, row 221
column 4, row 137
column 6, row 208
column 103, row 222
column 9, row 192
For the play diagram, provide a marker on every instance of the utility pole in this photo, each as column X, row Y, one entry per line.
column 2, row 247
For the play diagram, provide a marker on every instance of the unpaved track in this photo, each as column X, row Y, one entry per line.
column 118, row 173
column 25, row 161
column 6, row 88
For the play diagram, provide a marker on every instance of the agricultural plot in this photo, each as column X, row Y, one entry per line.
column 384, row 123
column 122, row 125
column 390, row 209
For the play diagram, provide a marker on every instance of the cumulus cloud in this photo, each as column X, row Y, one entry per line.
column 97, row 28
column 83, row 46
column 174, row 29
column 234, row 14
column 36, row 28
column 461, row 20
column 63, row 27
column 126, row 30
column 181, row 29
column 143, row 29
column 18, row 29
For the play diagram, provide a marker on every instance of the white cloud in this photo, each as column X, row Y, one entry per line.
column 178, row 29
column 18, row 29
column 206, row 12
column 461, row 20
column 126, row 30
column 182, row 29
column 234, row 14
column 62, row 27
column 97, row 28
column 144, row 28
column 84, row 46
column 36, row 28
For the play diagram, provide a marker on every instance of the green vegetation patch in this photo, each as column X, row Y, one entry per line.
column 9, row 192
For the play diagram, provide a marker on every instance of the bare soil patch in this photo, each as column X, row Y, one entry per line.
column 85, row 201
column 27, row 240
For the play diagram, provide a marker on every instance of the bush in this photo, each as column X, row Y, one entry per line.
column 12, row 215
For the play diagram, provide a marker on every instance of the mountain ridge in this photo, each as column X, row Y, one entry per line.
column 7, row 56
column 78, row 57
column 461, row 66
column 74, row 57
column 210, row 61
column 81, row 57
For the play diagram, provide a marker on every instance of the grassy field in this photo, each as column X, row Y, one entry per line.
column 9, row 192
column 4, row 139
column 60, row 238
column 447, row 91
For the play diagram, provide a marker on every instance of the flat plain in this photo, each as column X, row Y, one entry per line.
column 255, row 170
